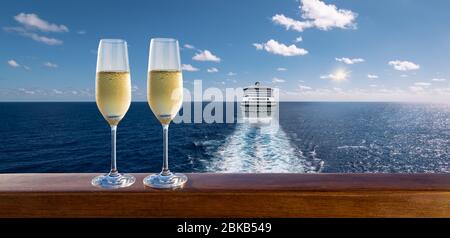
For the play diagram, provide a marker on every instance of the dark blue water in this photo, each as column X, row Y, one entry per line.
column 312, row 137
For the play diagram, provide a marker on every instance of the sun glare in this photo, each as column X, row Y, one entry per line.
column 340, row 75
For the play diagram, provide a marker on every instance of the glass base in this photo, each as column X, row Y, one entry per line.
column 165, row 181
column 113, row 180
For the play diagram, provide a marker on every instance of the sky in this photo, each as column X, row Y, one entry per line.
column 312, row 50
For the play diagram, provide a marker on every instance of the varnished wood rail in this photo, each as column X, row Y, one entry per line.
column 231, row 195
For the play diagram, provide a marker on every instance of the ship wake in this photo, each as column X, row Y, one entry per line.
column 260, row 149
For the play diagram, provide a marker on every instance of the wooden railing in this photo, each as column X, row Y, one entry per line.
column 231, row 195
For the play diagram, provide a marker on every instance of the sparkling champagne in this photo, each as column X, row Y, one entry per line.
column 113, row 95
column 165, row 93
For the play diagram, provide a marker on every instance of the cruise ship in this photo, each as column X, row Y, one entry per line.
column 258, row 102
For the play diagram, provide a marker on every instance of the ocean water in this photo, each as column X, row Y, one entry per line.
column 312, row 137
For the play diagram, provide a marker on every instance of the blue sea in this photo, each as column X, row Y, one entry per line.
column 312, row 137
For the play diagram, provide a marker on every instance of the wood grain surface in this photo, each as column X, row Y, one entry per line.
column 230, row 195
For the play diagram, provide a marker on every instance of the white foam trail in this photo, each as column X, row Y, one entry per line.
column 258, row 149
column 344, row 147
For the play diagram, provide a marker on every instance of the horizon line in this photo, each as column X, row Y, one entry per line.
column 318, row 101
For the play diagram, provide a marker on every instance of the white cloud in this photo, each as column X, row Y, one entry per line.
column 316, row 13
column 49, row 94
column 27, row 91
column 404, row 65
column 258, row 46
column 188, row 46
column 56, row 91
column 33, row 21
column 404, row 76
column 304, row 88
column 290, row 23
column 189, row 68
column 46, row 40
column 91, row 93
column 278, row 80
column 416, row 89
column 272, row 46
column 231, row 74
column 34, row 36
column 299, row 39
column 445, row 91
column 339, row 75
column 350, row 61
column 212, row 70
column 281, row 69
column 50, row 65
column 375, row 94
column 13, row 63
column 439, row 79
column 372, row 76
column 206, row 55
column 373, row 85
column 328, row 16
column 422, row 84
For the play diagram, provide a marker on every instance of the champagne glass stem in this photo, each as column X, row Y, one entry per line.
column 113, row 151
column 165, row 169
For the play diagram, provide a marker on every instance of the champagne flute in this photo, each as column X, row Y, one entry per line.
column 165, row 97
column 113, row 97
